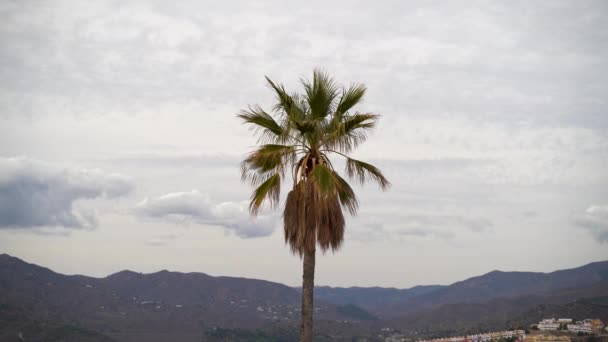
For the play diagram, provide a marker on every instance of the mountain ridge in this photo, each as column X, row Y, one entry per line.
column 589, row 264
column 130, row 306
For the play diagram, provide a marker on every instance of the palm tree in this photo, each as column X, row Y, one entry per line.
column 298, row 138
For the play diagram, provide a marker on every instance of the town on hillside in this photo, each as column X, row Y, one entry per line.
column 547, row 330
column 508, row 335
column 586, row 326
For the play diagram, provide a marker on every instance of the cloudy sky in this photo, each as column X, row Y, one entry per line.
column 119, row 145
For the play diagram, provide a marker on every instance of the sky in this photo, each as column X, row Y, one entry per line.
column 120, row 145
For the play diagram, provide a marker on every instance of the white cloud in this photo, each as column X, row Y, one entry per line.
column 595, row 220
column 38, row 194
column 195, row 207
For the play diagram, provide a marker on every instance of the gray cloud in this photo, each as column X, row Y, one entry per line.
column 371, row 230
column 181, row 159
column 485, row 60
column 424, row 232
column 159, row 240
column 416, row 225
column 419, row 224
column 485, row 112
column 595, row 220
column 195, row 207
column 38, row 194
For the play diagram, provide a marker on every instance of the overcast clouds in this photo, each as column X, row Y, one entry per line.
column 120, row 118
column 34, row 194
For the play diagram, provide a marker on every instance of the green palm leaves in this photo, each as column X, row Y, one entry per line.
column 363, row 171
column 297, row 139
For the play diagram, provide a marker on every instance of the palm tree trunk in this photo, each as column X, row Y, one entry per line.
column 308, row 279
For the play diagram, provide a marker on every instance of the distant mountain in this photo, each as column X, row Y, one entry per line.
column 370, row 298
column 185, row 304
column 39, row 304
column 506, row 284
column 497, row 284
column 387, row 302
column 506, row 312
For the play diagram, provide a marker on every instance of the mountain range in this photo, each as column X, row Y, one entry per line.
column 39, row 304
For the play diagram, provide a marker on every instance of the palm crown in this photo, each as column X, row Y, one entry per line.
column 298, row 139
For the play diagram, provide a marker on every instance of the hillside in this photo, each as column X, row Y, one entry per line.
column 39, row 304
column 505, row 312
column 126, row 304
column 390, row 302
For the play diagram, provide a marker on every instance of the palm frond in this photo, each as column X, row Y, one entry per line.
column 330, row 233
column 305, row 127
column 300, row 228
column 351, row 97
column 346, row 134
column 291, row 218
column 262, row 123
column 311, row 217
column 267, row 191
column 269, row 158
column 360, row 121
column 346, row 194
column 363, row 171
column 324, row 179
column 287, row 105
column 320, row 94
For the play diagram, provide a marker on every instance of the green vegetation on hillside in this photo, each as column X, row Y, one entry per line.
column 274, row 335
column 355, row 312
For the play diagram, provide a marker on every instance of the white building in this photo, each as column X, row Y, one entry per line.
column 484, row 337
column 564, row 320
column 584, row 327
column 548, row 324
